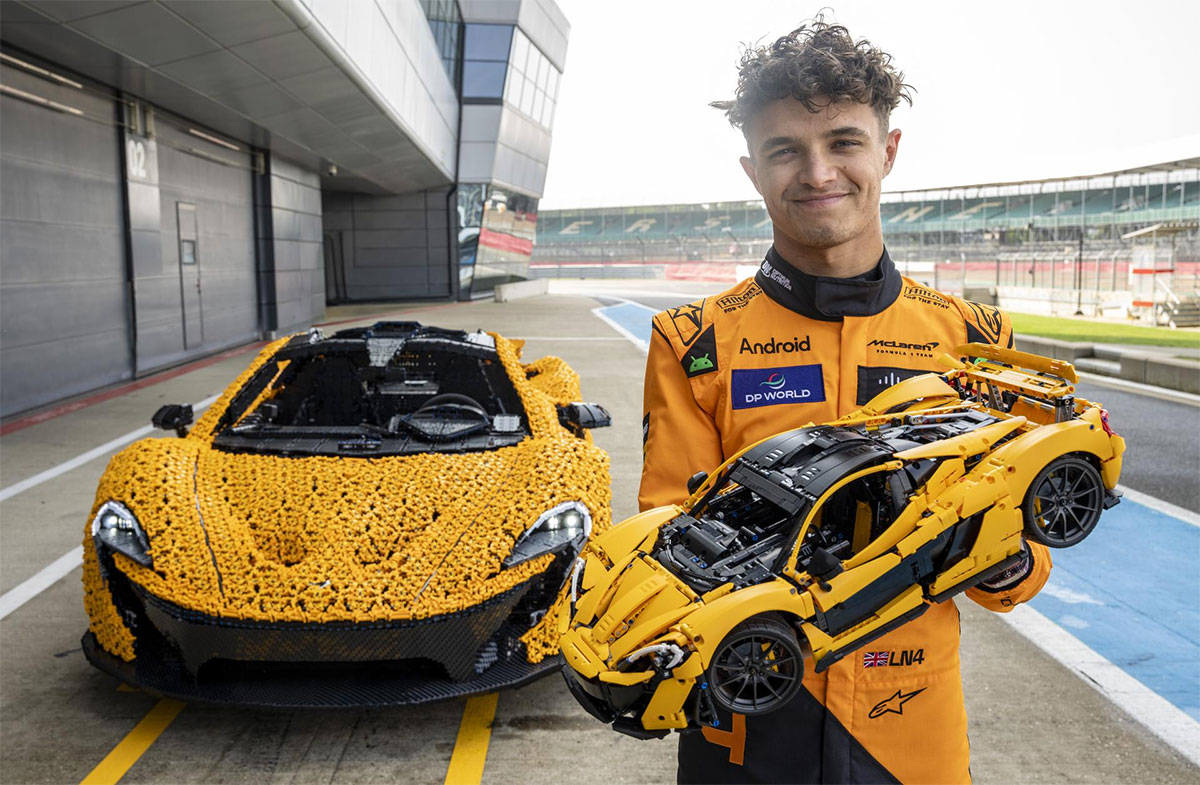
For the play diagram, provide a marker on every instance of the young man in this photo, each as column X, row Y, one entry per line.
column 827, row 322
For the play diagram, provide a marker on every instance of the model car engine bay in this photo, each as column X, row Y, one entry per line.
column 742, row 528
column 392, row 388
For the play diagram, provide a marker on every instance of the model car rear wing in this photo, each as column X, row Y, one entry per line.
column 1016, row 359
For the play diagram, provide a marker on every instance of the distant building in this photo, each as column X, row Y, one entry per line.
column 182, row 177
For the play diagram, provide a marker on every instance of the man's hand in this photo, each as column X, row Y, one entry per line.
column 1009, row 578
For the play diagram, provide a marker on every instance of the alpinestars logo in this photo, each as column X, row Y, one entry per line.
column 894, row 704
column 774, row 346
column 776, row 276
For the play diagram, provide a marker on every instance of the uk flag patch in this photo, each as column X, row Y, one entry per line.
column 875, row 659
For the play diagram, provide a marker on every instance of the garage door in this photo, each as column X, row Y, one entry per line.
column 205, row 297
column 63, row 301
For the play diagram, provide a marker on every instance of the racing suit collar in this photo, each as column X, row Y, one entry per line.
column 829, row 299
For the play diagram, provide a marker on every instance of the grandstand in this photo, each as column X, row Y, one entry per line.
column 1125, row 241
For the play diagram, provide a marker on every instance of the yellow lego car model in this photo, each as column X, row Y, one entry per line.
column 813, row 542
column 381, row 516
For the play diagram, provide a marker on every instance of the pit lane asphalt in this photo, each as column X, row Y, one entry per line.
column 1031, row 720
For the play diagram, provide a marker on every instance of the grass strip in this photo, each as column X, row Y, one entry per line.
column 1089, row 331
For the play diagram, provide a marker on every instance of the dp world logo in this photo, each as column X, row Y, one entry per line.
column 775, row 381
column 754, row 387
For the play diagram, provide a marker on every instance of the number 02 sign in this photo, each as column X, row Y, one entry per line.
column 135, row 159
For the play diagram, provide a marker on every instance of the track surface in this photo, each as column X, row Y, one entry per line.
column 1032, row 720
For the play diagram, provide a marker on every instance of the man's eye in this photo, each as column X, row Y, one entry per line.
column 783, row 152
column 846, row 143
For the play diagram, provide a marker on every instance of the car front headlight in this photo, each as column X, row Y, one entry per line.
column 568, row 524
column 116, row 528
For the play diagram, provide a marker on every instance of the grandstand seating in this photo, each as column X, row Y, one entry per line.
column 724, row 223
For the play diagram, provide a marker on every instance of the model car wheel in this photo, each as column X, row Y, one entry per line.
column 757, row 668
column 1064, row 502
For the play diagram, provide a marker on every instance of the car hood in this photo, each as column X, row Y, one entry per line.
column 354, row 539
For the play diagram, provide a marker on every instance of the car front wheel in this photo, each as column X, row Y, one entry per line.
column 757, row 668
column 1064, row 502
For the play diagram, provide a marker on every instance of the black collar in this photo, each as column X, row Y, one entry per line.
column 829, row 299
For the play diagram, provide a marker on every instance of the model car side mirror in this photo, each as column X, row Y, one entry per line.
column 173, row 416
column 580, row 417
column 695, row 481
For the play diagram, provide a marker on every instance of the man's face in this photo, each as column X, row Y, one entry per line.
column 820, row 173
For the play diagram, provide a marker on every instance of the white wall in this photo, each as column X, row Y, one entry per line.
column 390, row 44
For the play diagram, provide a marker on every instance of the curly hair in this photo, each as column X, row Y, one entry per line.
column 815, row 64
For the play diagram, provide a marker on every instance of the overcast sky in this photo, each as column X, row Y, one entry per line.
column 1009, row 90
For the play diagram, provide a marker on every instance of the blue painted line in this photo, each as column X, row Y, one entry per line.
column 633, row 317
column 1131, row 592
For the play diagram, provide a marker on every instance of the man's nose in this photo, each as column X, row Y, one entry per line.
column 816, row 170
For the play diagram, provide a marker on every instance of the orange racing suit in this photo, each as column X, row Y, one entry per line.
column 774, row 353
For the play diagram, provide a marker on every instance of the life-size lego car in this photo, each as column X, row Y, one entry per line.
column 381, row 516
column 816, row 541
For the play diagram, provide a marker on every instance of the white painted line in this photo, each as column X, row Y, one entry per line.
column 1160, row 716
column 74, row 463
column 1166, row 394
column 570, row 338
column 630, row 302
column 45, row 578
column 1146, row 500
column 600, row 289
column 642, row 346
column 689, row 297
column 90, row 455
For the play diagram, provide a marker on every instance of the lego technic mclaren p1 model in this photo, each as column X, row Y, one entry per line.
column 818, row 540
column 381, row 516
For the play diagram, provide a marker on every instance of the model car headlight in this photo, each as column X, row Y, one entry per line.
column 568, row 524
column 116, row 528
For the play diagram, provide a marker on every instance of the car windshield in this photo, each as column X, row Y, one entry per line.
column 395, row 388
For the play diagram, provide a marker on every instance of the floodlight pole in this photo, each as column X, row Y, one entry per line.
column 1079, row 276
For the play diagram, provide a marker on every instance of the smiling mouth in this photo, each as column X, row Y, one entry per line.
column 824, row 200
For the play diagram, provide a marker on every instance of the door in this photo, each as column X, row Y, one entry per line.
column 189, row 275
column 335, row 268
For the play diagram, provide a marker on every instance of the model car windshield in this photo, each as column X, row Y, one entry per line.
column 394, row 388
column 746, row 525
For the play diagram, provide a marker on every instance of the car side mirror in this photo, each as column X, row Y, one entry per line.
column 173, row 416
column 695, row 481
column 580, row 417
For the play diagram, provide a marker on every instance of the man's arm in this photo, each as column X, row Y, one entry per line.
column 988, row 324
column 678, row 437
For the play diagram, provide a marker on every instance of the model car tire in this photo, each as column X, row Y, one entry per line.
column 757, row 668
column 1064, row 502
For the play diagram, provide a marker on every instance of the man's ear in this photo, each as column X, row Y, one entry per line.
column 891, row 143
column 751, row 172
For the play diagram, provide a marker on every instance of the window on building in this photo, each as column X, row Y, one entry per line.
column 532, row 81
column 485, row 60
column 446, row 24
